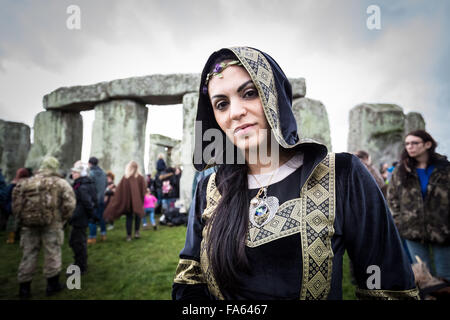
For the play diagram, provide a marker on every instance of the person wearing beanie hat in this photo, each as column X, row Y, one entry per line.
column 41, row 223
column 85, row 193
column 49, row 163
column 81, row 168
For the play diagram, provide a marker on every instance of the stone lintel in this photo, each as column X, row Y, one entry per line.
column 154, row 89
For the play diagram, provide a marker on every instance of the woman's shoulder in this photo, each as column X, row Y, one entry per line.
column 345, row 162
column 442, row 163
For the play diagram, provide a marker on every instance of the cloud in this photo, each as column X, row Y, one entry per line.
column 35, row 32
column 327, row 42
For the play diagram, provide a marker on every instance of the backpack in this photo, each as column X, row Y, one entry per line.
column 166, row 187
column 38, row 202
column 173, row 217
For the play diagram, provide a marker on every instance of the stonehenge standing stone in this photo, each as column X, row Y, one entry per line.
column 312, row 120
column 14, row 147
column 187, row 147
column 298, row 87
column 58, row 134
column 377, row 129
column 118, row 135
column 413, row 121
column 169, row 147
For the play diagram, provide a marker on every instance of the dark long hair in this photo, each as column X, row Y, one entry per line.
column 407, row 163
column 229, row 223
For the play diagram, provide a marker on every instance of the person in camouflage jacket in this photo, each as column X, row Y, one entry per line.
column 61, row 198
column 418, row 196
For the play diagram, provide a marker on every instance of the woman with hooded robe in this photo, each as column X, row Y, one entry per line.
column 275, row 217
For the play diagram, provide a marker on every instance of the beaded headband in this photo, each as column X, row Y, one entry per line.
column 219, row 67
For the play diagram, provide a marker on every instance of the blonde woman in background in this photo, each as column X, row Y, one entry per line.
column 128, row 199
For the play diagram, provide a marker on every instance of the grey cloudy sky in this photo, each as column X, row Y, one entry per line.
column 327, row 42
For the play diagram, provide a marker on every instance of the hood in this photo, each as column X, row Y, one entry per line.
column 275, row 92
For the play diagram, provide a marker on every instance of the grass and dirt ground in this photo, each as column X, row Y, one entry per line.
column 142, row 269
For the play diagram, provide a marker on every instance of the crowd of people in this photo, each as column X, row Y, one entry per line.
column 38, row 208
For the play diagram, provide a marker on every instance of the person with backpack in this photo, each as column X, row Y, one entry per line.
column 42, row 205
column 85, row 193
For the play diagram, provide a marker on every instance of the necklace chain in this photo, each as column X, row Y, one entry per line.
column 264, row 188
column 263, row 210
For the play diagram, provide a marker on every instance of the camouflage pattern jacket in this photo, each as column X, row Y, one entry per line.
column 65, row 197
column 426, row 220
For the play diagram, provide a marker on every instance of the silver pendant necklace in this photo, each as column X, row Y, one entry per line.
column 263, row 208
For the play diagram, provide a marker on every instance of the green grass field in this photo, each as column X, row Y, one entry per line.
column 142, row 269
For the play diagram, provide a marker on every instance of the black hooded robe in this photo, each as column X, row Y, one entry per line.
column 299, row 256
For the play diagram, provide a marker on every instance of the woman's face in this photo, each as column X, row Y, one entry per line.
column 416, row 147
column 238, row 109
column 75, row 175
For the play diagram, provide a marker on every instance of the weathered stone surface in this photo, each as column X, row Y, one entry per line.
column 298, row 87
column 76, row 98
column 169, row 147
column 377, row 129
column 187, row 147
column 156, row 89
column 312, row 120
column 118, row 135
column 413, row 121
column 14, row 147
column 58, row 134
column 153, row 89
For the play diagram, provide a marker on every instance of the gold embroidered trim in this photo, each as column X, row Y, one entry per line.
column 364, row 294
column 261, row 73
column 188, row 272
column 312, row 215
column 285, row 223
column 317, row 228
column 212, row 199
